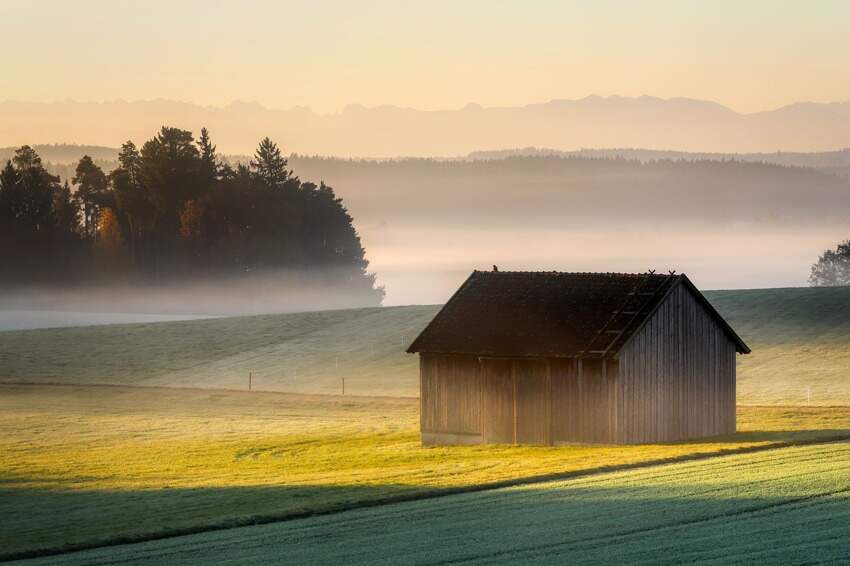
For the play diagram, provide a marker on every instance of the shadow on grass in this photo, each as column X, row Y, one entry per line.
column 38, row 521
column 46, row 521
column 681, row 516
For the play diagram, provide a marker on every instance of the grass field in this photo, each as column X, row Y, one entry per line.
column 87, row 465
column 789, row 505
column 800, row 340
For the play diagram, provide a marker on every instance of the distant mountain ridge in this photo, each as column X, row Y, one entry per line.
column 61, row 159
column 389, row 131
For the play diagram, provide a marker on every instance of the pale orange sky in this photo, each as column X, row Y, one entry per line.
column 750, row 56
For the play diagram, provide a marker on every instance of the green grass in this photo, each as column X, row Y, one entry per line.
column 85, row 465
column 789, row 505
column 304, row 352
column 801, row 343
column 800, row 340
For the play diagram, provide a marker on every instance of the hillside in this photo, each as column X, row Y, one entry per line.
column 800, row 339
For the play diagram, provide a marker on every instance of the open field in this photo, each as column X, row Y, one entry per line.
column 801, row 343
column 789, row 505
column 800, row 340
column 306, row 352
column 87, row 465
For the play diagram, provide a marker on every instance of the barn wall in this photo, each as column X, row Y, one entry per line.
column 449, row 399
column 465, row 400
column 584, row 401
column 677, row 376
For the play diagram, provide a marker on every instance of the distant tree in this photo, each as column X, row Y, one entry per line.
column 31, row 240
column 269, row 165
column 26, row 159
column 170, row 174
column 190, row 219
column 832, row 268
column 130, row 160
column 169, row 167
column 132, row 202
column 209, row 161
column 109, row 232
column 33, row 195
column 172, row 210
column 10, row 182
column 91, row 190
column 66, row 211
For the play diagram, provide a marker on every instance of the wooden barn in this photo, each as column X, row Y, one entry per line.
column 548, row 358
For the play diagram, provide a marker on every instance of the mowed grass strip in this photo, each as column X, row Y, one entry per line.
column 86, row 465
column 788, row 505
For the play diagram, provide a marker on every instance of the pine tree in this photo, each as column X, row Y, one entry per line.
column 91, row 189
column 209, row 161
column 269, row 165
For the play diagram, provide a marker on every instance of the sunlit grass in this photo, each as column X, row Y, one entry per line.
column 782, row 505
column 88, row 464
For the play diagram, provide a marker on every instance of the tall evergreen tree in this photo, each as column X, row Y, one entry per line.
column 91, row 190
column 269, row 165
column 209, row 161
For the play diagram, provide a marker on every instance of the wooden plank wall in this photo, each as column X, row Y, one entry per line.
column 677, row 376
column 533, row 402
column 584, row 401
column 450, row 394
column 503, row 401
column 497, row 402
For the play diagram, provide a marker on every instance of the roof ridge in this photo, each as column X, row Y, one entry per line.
column 555, row 272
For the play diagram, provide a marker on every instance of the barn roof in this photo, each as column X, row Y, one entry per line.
column 551, row 314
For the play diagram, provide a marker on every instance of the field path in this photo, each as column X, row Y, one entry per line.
column 787, row 505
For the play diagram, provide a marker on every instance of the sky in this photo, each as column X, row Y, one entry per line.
column 749, row 56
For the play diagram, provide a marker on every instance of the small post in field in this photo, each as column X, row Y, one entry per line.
column 250, row 376
column 343, row 386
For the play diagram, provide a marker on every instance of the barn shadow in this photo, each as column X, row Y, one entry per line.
column 37, row 521
column 616, row 522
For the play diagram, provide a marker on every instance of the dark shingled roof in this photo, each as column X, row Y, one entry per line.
column 550, row 314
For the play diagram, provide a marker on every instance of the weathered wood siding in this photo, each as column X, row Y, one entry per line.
column 584, row 401
column 677, row 376
column 497, row 402
column 502, row 401
column 533, row 402
column 450, row 395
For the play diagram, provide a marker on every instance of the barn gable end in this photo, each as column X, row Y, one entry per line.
column 677, row 374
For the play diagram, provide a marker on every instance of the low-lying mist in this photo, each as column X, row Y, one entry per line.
column 426, row 224
column 270, row 292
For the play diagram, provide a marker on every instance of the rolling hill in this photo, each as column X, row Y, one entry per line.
column 800, row 339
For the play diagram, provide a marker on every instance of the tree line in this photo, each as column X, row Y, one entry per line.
column 173, row 210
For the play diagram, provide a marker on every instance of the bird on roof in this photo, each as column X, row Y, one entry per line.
column 495, row 267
